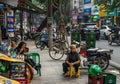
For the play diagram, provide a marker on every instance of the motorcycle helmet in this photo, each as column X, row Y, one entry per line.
column 95, row 70
column 2, row 67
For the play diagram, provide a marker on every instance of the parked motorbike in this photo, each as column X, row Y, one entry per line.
column 43, row 44
column 31, row 36
column 114, row 38
column 42, row 41
column 96, row 56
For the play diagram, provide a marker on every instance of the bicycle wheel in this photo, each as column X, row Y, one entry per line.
column 56, row 53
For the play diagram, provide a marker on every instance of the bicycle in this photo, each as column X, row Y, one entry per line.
column 58, row 50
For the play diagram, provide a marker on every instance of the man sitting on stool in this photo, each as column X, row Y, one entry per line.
column 72, row 59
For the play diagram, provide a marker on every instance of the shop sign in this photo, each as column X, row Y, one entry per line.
column 1, row 17
column 80, row 10
column 17, row 70
column 102, row 13
column 1, row 6
column 94, row 10
column 10, row 23
column 74, row 19
column 87, row 1
column 111, row 13
column 74, row 12
column 87, row 11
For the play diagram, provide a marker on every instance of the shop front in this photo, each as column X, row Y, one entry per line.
column 7, row 26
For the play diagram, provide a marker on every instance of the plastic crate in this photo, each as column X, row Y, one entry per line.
column 96, row 79
column 109, row 78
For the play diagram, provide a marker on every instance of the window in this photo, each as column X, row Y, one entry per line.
column 103, row 28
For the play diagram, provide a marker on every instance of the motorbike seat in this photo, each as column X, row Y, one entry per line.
column 92, row 51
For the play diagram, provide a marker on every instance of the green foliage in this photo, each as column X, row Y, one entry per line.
column 109, row 4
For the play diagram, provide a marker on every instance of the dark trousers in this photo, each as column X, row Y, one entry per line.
column 66, row 66
column 21, row 36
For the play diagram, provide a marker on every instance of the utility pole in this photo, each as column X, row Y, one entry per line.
column 49, row 23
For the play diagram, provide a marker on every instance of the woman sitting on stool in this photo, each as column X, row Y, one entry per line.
column 21, row 49
column 72, row 59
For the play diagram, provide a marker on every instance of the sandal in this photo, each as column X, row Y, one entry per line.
column 66, row 74
column 76, row 75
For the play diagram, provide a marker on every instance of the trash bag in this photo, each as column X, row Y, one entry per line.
column 95, row 70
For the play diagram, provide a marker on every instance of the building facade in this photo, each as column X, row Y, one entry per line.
column 87, row 11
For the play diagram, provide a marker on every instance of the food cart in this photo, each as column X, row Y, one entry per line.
column 4, row 80
column 15, row 69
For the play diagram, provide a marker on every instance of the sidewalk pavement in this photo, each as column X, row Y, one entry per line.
column 52, row 72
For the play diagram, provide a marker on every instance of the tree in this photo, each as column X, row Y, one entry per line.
column 60, row 9
column 109, row 4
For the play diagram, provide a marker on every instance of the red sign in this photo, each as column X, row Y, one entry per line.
column 21, row 2
column 75, row 12
column 22, row 81
column 74, row 20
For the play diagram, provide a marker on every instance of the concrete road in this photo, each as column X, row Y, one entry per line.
column 116, row 48
column 52, row 70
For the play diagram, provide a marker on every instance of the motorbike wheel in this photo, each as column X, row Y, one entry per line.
column 56, row 53
column 37, row 44
column 42, row 45
column 117, row 42
column 104, row 62
column 25, row 38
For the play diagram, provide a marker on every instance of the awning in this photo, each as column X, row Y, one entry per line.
column 13, row 3
column 32, row 7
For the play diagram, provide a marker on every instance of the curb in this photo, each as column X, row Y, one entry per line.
column 115, row 65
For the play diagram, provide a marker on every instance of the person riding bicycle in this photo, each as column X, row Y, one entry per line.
column 114, row 31
column 72, row 59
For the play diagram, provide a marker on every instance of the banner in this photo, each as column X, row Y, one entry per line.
column 10, row 23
